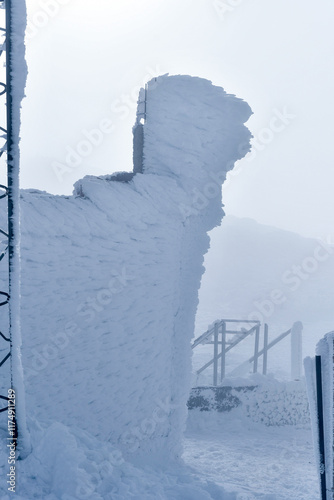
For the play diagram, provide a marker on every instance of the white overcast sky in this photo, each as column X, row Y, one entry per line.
column 88, row 59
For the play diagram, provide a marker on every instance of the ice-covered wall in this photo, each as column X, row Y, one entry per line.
column 111, row 275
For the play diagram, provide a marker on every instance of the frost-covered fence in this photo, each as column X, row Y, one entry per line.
column 320, row 384
column 13, row 89
column 217, row 335
column 224, row 338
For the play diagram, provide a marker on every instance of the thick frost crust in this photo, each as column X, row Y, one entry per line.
column 111, row 275
column 16, row 70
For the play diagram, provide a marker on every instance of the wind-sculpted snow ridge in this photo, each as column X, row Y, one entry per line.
column 111, row 275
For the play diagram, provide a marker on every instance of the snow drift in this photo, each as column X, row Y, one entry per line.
column 110, row 275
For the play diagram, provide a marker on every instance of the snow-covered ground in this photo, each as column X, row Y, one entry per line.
column 250, row 460
column 227, row 457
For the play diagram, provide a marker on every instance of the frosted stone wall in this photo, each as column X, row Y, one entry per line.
column 111, row 275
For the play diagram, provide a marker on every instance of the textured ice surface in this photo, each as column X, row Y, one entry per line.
column 111, row 275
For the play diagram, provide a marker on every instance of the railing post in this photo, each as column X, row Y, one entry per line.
column 265, row 350
column 296, row 351
column 215, row 355
column 256, row 348
column 321, row 436
column 223, row 353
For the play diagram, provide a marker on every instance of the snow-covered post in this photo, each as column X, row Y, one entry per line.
column 256, row 349
column 265, row 349
column 321, row 430
column 215, row 354
column 320, row 384
column 223, row 353
column 16, row 77
column 296, row 351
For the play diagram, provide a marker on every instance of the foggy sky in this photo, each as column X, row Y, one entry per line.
column 87, row 61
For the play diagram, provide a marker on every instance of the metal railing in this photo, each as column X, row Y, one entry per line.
column 224, row 338
column 5, row 350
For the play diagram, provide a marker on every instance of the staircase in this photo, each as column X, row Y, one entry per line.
column 226, row 334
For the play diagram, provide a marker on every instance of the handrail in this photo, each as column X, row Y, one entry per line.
column 262, row 352
column 210, row 331
column 203, row 337
column 237, row 341
column 271, row 344
column 219, row 331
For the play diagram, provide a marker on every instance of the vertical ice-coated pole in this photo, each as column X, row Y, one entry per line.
column 13, row 110
column 296, row 351
column 265, row 350
column 320, row 412
column 256, row 348
column 215, row 355
column 319, row 375
column 223, row 353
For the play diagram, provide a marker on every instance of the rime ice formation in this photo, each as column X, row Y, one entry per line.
column 112, row 274
column 16, row 74
column 325, row 350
